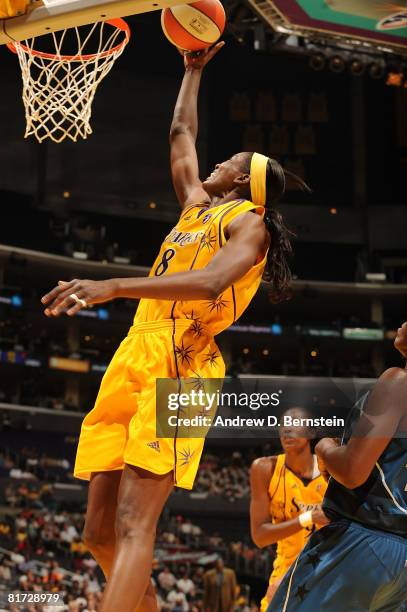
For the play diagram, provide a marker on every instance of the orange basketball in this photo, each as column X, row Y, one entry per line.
column 195, row 26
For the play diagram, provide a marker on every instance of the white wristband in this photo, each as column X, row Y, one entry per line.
column 306, row 519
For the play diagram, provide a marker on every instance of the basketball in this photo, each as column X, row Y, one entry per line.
column 195, row 26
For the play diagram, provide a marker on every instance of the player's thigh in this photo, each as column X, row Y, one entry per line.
column 102, row 504
column 141, row 498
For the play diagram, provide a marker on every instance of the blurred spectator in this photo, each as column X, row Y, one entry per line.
column 177, row 600
column 166, row 579
column 185, row 583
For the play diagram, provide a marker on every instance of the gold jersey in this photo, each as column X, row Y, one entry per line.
column 289, row 497
column 190, row 245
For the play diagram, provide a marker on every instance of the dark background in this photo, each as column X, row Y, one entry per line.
column 127, row 155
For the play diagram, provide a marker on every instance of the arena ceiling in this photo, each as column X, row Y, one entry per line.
column 366, row 22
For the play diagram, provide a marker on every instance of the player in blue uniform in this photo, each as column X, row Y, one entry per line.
column 358, row 562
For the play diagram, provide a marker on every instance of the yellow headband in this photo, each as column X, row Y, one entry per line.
column 258, row 170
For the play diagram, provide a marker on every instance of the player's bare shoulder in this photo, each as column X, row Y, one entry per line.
column 247, row 220
column 395, row 375
column 263, row 468
column 389, row 394
column 395, row 380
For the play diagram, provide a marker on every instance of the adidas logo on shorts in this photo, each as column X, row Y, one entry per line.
column 154, row 445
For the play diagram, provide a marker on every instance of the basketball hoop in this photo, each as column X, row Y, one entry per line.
column 58, row 89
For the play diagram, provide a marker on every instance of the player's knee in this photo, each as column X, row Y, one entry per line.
column 96, row 537
column 133, row 522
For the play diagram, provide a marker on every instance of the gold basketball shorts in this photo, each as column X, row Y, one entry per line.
column 121, row 428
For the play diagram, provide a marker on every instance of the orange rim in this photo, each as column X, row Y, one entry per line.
column 118, row 23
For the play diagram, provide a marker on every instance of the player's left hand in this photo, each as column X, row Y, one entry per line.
column 70, row 297
column 199, row 59
column 319, row 517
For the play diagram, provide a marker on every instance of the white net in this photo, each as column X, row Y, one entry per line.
column 58, row 89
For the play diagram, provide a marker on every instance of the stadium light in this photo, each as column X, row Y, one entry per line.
column 317, row 61
column 337, row 64
column 376, row 70
column 357, row 67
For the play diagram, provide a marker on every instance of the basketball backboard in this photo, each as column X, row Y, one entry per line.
column 45, row 16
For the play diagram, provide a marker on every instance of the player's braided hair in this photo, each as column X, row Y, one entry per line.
column 277, row 271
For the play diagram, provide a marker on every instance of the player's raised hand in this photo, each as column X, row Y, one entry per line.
column 199, row 59
column 70, row 297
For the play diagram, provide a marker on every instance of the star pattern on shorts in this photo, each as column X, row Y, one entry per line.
column 211, row 358
column 183, row 410
column 197, row 328
column 314, row 559
column 197, row 383
column 204, row 412
column 217, row 304
column 186, row 456
column 184, row 352
column 301, row 592
column 209, row 240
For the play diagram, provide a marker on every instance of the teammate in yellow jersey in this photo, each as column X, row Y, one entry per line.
column 286, row 495
column 209, row 267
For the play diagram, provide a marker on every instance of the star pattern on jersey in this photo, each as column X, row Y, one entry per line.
column 211, row 358
column 184, row 353
column 209, row 239
column 217, row 304
column 314, row 559
column 301, row 592
column 186, row 456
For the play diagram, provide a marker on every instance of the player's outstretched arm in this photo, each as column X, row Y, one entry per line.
column 184, row 130
column 247, row 242
column 352, row 463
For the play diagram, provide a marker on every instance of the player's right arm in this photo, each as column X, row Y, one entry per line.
column 264, row 532
column 184, row 131
column 386, row 412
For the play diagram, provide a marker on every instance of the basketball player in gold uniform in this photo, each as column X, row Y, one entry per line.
column 286, row 495
column 228, row 237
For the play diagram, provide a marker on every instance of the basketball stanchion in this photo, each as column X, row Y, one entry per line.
column 58, row 89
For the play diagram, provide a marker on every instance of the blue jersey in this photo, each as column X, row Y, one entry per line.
column 381, row 502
